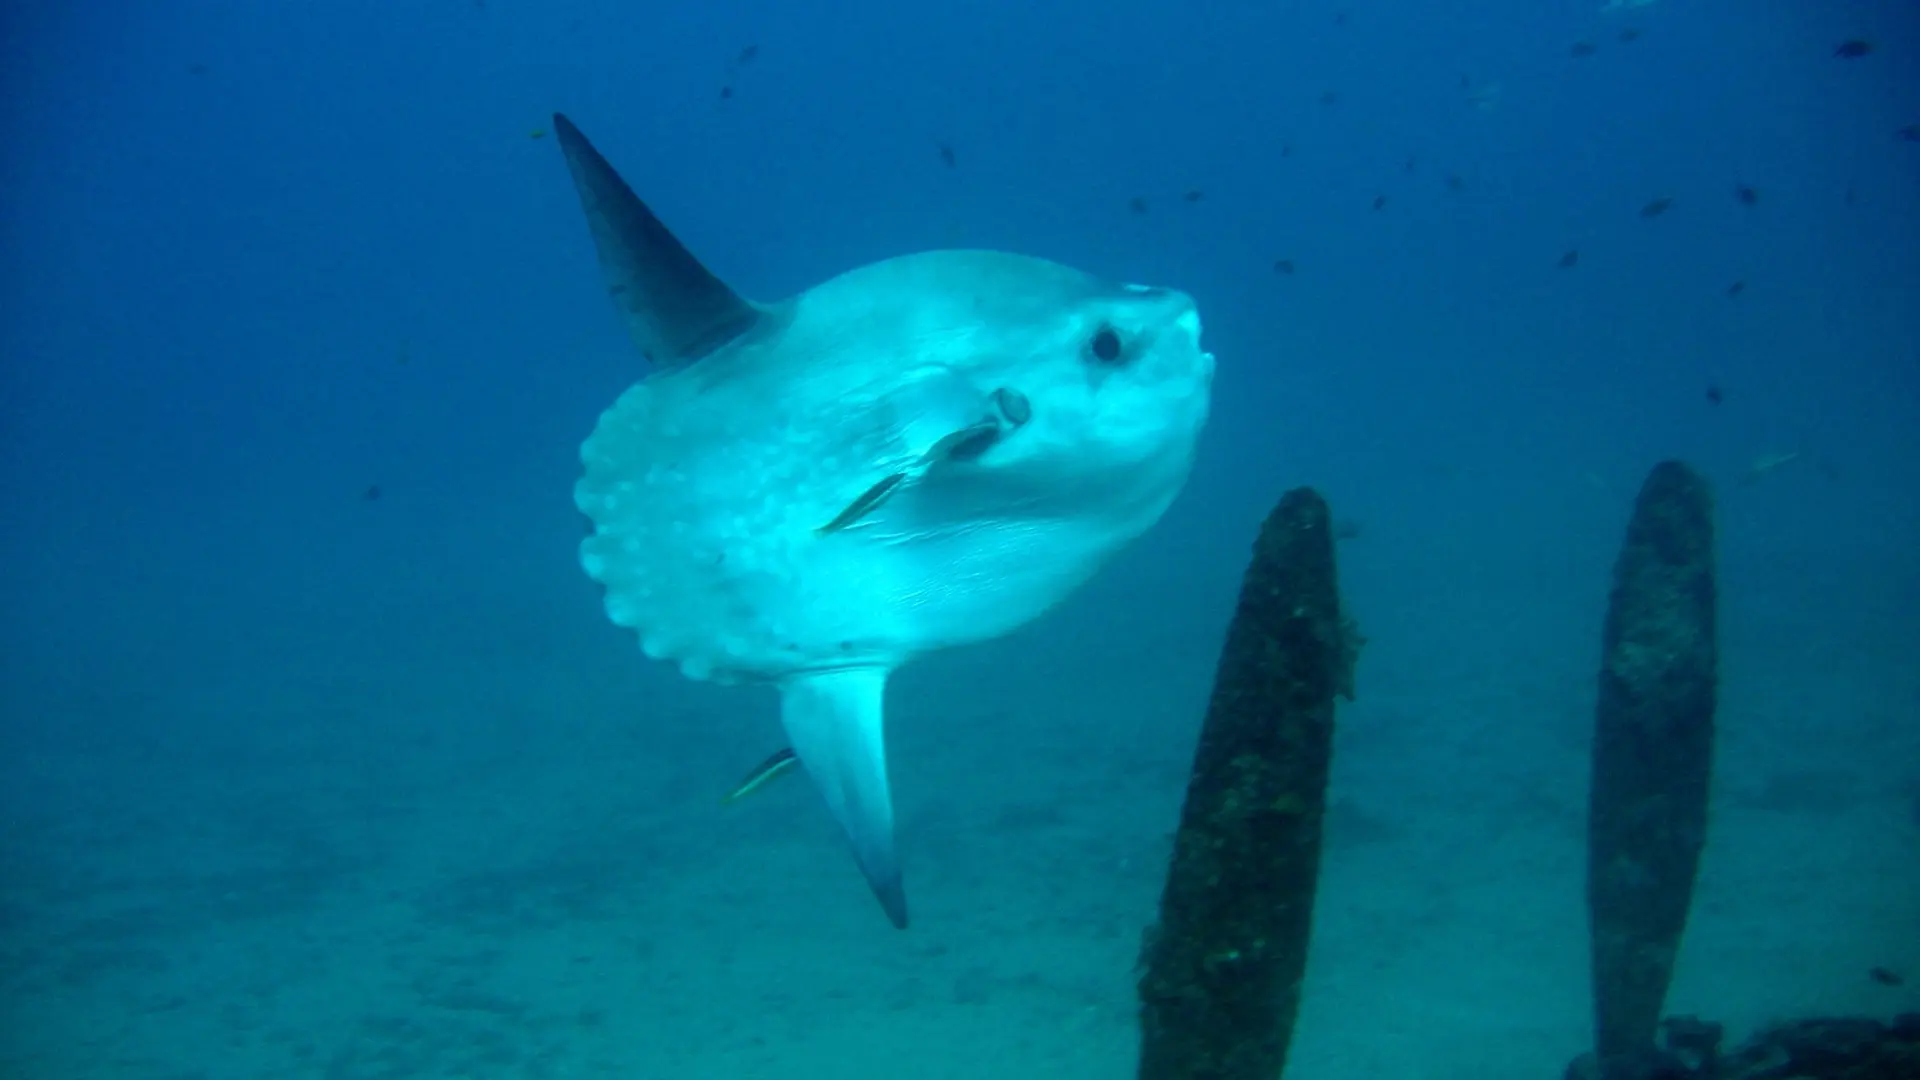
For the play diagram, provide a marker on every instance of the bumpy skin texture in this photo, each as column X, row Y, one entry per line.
column 709, row 486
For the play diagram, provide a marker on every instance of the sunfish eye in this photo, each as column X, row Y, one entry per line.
column 1106, row 345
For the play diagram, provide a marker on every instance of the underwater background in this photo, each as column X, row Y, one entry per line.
column 320, row 759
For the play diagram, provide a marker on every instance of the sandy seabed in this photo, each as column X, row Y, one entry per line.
column 424, row 875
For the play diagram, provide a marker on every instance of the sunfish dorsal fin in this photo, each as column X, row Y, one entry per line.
column 675, row 309
column 835, row 720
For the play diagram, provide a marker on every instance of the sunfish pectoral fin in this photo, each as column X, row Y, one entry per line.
column 935, row 442
column 835, row 722
column 962, row 445
column 865, row 503
column 676, row 311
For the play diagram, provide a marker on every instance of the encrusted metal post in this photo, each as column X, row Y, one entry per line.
column 1221, row 970
column 1652, row 756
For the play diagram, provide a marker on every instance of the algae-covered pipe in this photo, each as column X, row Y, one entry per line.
column 1652, row 756
column 1222, row 968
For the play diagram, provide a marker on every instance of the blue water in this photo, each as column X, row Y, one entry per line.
column 320, row 759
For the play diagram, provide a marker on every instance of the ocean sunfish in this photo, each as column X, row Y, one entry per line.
column 920, row 453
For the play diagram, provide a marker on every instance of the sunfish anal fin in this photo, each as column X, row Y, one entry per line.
column 835, row 720
column 676, row 311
